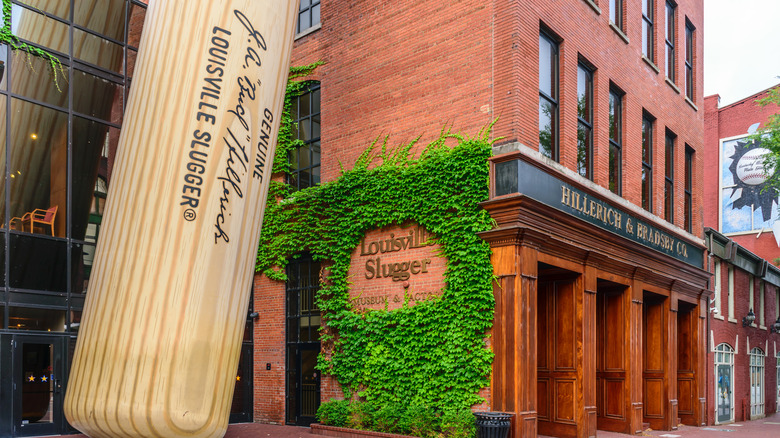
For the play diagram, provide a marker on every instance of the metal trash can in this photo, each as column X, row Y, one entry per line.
column 493, row 424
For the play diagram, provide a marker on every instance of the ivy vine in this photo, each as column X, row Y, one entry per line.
column 430, row 354
column 7, row 37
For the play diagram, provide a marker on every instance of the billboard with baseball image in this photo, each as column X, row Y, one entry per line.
column 747, row 204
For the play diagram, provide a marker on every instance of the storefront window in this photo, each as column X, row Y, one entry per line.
column 39, row 29
column 45, row 320
column 97, row 97
column 110, row 56
column 32, row 78
column 38, row 169
column 106, row 17
column 38, row 263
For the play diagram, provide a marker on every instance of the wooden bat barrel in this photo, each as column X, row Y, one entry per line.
column 160, row 337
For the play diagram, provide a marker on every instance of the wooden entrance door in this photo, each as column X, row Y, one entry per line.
column 611, row 375
column 654, row 355
column 687, row 363
column 558, row 391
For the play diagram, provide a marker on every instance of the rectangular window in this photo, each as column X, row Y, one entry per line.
column 308, row 14
column 548, row 96
column 688, row 223
column 732, row 316
column 615, row 140
column 647, row 162
column 716, row 299
column 616, row 13
column 751, row 294
column 761, row 319
column 305, row 159
column 669, row 178
column 670, row 40
column 648, row 39
column 584, row 121
column 689, row 59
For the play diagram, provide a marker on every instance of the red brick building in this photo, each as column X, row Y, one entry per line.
column 598, row 100
column 738, row 209
column 742, row 230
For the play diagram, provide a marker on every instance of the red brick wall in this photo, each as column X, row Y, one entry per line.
column 725, row 331
column 269, row 347
column 406, row 68
column 731, row 121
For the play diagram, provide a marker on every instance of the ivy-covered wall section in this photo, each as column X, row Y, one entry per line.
column 432, row 353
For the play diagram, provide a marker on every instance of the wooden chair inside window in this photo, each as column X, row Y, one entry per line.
column 16, row 224
column 40, row 217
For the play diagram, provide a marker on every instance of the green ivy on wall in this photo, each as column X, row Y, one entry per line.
column 430, row 354
column 7, row 37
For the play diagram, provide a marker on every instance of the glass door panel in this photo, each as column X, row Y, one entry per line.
column 37, row 378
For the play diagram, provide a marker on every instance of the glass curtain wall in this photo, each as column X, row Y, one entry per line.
column 58, row 139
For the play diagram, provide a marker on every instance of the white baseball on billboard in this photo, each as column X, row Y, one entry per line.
column 750, row 168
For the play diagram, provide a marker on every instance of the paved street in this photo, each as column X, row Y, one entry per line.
column 765, row 428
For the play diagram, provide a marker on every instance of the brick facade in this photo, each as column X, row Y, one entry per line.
column 405, row 69
column 758, row 249
column 727, row 122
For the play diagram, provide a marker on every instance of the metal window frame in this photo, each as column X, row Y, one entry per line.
column 616, row 143
column 297, row 118
column 74, row 297
column 553, row 100
column 647, row 17
column 670, row 38
column 588, row 123
column 647, row 166
column 669, row 145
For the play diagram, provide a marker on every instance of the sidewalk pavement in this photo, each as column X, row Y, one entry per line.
column 768, row 427
column 253, row 430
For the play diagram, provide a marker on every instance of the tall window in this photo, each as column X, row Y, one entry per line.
column 717, row 280
column 305, row 159
column 615, row 140
column 688, row 189
column 647, row 162
column 732, row 314
column 669, row 178
column 308, row 15
column 689, row 59
column 756, row 382
column 648, row 39
column 724, row 381
column 777, row 380
column 616, row 13
column 670, row 40
column 548, row 96
column 303, row 340
column 585, row 121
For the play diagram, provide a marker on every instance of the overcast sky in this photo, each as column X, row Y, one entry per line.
column 741, row 47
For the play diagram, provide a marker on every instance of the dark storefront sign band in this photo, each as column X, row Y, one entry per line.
column 518, row 176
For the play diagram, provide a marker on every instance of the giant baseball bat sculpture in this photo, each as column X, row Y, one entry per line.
column 166, row 305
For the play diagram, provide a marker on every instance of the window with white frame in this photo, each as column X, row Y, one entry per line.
column 777, row 380
column 756, row 383
column 731, row 295
column 724, row 378
column 308, row 15
column 716, row 299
